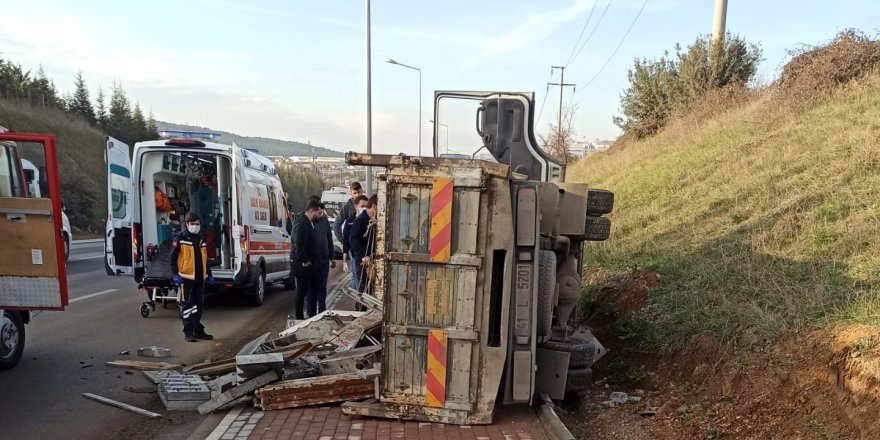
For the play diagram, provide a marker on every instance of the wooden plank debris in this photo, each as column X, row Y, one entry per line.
column 317, row 390
column 218, row 368
column 121, row 405
column 143, row 365
column 353, row 332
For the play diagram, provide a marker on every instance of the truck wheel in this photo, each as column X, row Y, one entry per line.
column 581, row 352
column 597, row 229
column 11, row 339
column 578, row 380
column 599, row 202
column 546, row 291
column 255, row 299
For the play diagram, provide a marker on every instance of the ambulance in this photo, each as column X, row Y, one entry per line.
column 236, row 191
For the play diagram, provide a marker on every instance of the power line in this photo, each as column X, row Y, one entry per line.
column 616, row 48
column 541, row 112
column 589, row 37
column 576, row 43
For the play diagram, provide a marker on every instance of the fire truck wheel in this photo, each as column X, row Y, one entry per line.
column 11, row 339
column 546, row 291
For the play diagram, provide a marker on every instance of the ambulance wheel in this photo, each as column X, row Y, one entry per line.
column 145, row 310
column 255, row 299
column 11, row 339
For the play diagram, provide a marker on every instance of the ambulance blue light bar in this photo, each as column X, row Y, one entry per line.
column 177, row 134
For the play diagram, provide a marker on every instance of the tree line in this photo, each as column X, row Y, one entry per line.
column 118, row 117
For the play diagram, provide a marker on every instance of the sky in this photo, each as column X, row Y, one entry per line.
column 296, row 70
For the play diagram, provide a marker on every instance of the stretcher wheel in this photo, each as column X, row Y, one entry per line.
column 145, row 310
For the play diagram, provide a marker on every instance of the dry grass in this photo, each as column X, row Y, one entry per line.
column 80, row 157
column 761, row 219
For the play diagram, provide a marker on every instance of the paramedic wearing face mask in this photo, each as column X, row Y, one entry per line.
column 189, row 263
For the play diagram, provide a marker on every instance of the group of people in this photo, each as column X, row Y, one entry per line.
column 311, row 257
column 312, row 254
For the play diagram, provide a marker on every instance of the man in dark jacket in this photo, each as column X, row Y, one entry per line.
column 189, row 264
column 346, row 210
column 360, row 203
column 362, row 239
column 304, row 254
column 322, row 262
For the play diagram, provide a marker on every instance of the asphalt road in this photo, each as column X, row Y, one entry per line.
column 65, row 355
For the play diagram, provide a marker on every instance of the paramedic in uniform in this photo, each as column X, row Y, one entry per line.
column 189, row 264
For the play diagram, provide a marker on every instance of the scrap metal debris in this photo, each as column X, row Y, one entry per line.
column 121, row 405
column 154, row 351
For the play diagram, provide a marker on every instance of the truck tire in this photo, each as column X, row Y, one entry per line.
column 599, row 202
column 581, row 352
column 597, row 229
column 578, row 380
column 258, row 295
column 546, row 291
column 11, row 339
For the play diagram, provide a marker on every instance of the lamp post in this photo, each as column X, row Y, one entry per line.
column 369, row 176
column 391, row 61
column 447, row 133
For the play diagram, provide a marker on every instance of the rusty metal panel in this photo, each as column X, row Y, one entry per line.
column 466, row 218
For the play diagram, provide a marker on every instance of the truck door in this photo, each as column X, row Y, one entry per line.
column 120, row 204
column 32, row 268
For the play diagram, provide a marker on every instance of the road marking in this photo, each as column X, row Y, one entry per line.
column 92, row 295
column 91, row 257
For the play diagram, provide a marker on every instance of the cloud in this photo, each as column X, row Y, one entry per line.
column 534, row 29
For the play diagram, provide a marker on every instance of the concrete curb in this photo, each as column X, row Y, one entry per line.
column 551, row 422
column 224, row 424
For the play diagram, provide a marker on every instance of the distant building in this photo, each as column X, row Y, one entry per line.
column 582, row 147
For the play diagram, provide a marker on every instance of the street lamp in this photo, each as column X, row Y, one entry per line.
column 391, row 61
column 447, row 133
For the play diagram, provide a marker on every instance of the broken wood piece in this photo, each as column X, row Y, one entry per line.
column 225, row 366
column 231, row 396
column 352, row 333
column 350, row 361
column 317, row 390
column 143, row 365
column 121, row 405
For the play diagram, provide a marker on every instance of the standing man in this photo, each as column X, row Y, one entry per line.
column 189, row 264
column 346, row 210
column 322, row 262
column 363, row 239
column 304, row 255
column 360, row 204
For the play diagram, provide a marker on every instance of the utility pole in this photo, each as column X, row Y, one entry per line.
column 719, row 25
column 369, row 176
column 562, row 84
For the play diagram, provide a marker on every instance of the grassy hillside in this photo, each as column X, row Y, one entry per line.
column 80, row 157
column 266, row 146
column 761, row 220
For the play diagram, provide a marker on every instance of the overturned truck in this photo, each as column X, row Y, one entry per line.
column 477, row 265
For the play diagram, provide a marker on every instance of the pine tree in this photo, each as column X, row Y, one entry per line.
column 152, row 129
column 81, row 104
column 100, row 109
column 119, row 121
column 138, row 124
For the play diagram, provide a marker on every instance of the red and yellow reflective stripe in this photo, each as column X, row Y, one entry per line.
column 441, row 220
column 435, row 385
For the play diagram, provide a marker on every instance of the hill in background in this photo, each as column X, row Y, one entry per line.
column 266, row 146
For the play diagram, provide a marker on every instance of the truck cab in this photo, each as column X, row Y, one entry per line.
column 32, row 262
